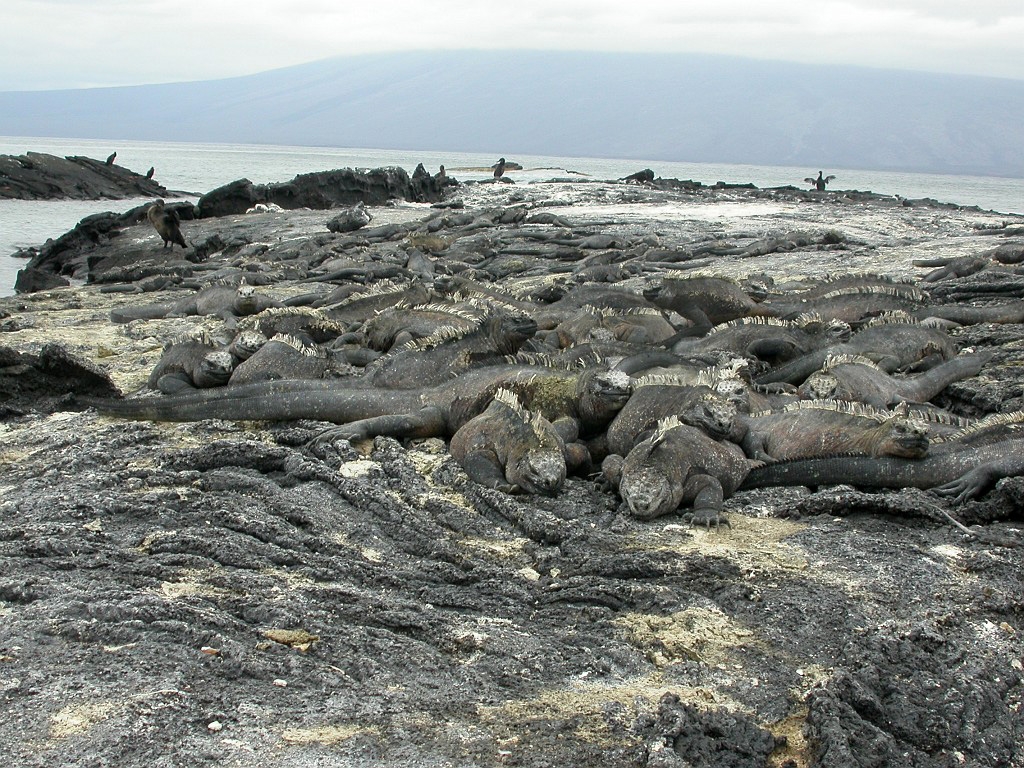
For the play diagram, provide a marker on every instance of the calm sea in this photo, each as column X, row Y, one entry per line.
column 198, row 168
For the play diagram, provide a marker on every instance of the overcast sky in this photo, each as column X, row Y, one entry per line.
column 83, row 43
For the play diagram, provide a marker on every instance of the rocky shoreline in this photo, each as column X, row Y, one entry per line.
column 218, row 592
column 39, row 176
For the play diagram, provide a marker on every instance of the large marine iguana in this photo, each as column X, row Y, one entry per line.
column 827, row 427
column 706, row 301
column 765, row 338
column 578, row 403
column 697, row 406
column 224, row 301
column 678, row 465
column 449, row 352
column 894, row 342
column 192, row 362
column 858, row 379
column 855, row 303
column 392, row 327
column 962, row 471
column 288, row 357
column 635, row 325
column 508, row 448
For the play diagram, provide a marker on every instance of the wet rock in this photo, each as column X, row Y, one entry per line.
column 38, row 176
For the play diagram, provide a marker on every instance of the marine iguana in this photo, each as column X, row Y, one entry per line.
column 706, row 301
column 357, row 307
column 285, row 357
column 636, row 325
column 166, row 223
column 224, row 301
column 508, row 448
column 858, row 379
column 449, row 351
column 678, row 465
column 578, row 403
column 765, row 338
column 951, row 469
column 405, row 322
column 826, row 427
column 893, row 342
column 191, row 363
column 854, row 304
column 305, row 322
column 696, row 406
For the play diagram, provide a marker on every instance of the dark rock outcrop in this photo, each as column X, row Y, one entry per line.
column 38, row 176
column 322, row 190
column 43, row 382
column 68, row 254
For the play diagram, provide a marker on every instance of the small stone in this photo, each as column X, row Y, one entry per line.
column 215, row 726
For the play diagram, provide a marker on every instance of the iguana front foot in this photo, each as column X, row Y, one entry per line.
column 965, row 487
column 708, row 517
column 333, row 434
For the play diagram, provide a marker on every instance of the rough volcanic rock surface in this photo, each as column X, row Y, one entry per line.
column 214, row 593
column 39, row 176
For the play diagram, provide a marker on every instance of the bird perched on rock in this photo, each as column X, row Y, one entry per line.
column 499, row 168
column 110, row 160
column 149, row 173
column 819, row 183
column 166, row 224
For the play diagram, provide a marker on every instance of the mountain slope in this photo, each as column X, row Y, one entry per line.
column 645, row 106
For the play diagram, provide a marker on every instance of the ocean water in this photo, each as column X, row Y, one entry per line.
column 194, row 169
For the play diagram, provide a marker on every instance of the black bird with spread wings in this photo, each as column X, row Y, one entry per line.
column 819, row 183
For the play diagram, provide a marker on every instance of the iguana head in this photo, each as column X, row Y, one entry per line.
column 246, row 301
column 908, row 437
column 512, row 331
column 216, row 367
column 646, row 489
column 713, row 414
column 735, row 391
column 602, row 394
column 246, row 344
column 646, row 484
column 819, row 386
column 540, row 471
column 536, row 461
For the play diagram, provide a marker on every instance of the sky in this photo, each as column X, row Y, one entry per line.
column 92, row 43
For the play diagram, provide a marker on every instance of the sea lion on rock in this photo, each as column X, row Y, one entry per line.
column 166, row 224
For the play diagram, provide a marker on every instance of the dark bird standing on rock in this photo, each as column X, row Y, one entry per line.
column 499, row 168
column 819, row 183
column 149, row 173
column 166, row 224
column 110, row 160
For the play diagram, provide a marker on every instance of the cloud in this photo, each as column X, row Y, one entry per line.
column 65, row 43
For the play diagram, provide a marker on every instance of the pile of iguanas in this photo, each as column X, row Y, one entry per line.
column 681, row 390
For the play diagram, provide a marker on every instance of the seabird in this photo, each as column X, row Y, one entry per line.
column 819, row 183
column 166, row 224
column 149, row 173
column 110, row 160
column 499, row 168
